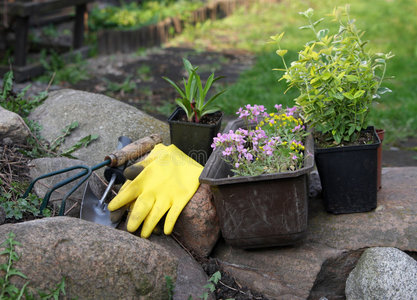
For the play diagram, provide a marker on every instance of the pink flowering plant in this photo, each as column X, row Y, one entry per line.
column 269, row 143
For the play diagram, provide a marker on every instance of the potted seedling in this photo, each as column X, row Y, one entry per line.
column 258, row 176
column 338, row 80
column 197, row 119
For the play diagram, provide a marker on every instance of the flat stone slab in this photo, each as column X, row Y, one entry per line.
column 319, row 266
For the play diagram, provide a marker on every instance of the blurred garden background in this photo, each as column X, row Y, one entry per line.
column 389, row 25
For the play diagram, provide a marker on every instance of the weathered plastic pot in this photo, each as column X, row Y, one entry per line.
column 194, row 139
column 259, row 211
column 348, row 177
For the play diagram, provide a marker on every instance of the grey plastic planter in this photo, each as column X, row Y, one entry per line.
column 259, row 211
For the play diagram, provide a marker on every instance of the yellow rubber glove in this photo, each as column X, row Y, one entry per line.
column 168, row 181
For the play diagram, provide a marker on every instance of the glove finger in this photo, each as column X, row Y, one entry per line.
column 127, row 182
column 126, row 195
column 140, row 210
column 157, row 212
column 176, row 209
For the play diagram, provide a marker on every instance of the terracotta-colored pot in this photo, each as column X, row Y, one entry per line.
column 380, row 133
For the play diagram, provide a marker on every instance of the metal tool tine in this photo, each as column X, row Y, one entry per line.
column 62, row 183
column 29, row 189
column 88, row 174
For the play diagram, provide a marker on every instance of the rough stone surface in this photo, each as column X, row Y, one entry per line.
column 41, row 166
column 12, row 127
column 314, row 185
column 97, row 261
column 96, row 114
column 197, row 227
column 299, row 272
column 191, row 278
column 2, row 216
column 383, row 273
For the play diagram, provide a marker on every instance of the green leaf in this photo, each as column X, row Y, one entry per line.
column 318, row 21
column 278, row 37
column 359, row 94
column 209, row 111
column 216, row 277
column 326, row 76
column 84, row 142
column 352, row 78
column 322, row 33
column 383, row 90
column 348, row 95
column 209, row 82
column 7, row 84
column 308, row 13
column 186, row 107
column 200, row 99
column 306, row 27
column 188, row 66
column 208, row 103
column 13, row 272
column 281, row 52
column 179, row 90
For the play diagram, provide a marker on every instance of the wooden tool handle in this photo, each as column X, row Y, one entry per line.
column 133, row 150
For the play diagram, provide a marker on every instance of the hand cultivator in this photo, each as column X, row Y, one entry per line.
column 116, row 159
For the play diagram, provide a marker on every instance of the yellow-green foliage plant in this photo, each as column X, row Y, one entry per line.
column 338, row 78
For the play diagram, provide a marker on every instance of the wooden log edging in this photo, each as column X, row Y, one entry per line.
column 113, row 40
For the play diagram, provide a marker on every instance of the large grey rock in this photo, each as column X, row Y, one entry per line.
column 332, row 246
column 383, row 273
column 42, row 166
column 96, row 114
column 13, row 127
column 191, row 277
column 98, row 262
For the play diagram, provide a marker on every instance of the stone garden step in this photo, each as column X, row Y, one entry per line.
column 320, row 265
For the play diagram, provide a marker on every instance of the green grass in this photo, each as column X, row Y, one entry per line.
column 389, row 26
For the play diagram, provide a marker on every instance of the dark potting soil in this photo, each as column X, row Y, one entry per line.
column 322, row 141
column 209, row 119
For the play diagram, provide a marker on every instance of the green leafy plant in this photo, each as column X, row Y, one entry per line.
column 127, row 86
column 18, row 103
column 170, row 287
column 193, row 97
column 144, row 72
column 211, row 285
column 71, row 70
column 133, row 15
column 9, row 290
column 337, row 77
column 21, row 105
column 16, row 207
column 83, row 142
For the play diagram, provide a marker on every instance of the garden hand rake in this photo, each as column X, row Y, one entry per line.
column 117, row 158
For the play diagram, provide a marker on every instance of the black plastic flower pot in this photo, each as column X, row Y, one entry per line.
column 348, row 176
column 259, row 211
column 194, row 139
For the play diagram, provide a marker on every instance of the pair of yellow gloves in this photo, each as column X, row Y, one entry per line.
column 168, row 181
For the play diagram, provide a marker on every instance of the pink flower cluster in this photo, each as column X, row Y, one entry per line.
column 271, row 142
column 252, row 113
